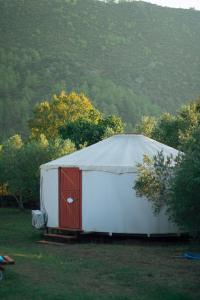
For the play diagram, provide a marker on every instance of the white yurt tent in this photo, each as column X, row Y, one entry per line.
column 92, row 189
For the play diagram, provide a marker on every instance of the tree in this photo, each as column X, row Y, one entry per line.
column 188, row 120
column 146, row 125
column 84, row 132
column 81, row 132
column 50, row 116
column 20, row 165
column 154, row 179
column 175, row 185
column 8, row 163
column 184, row 203
column 114, row 123
column 166, row 130
column 172, row 130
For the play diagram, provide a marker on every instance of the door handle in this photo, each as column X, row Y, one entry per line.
column 70, row 200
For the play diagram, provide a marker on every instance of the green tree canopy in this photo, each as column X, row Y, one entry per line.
column 49, row 116
column 184, row 203
column 154, row 179
column 166, row 130
column 20, row 162
column 84, row 132
column 146, row 125
column 173, row 130
column 177, row 186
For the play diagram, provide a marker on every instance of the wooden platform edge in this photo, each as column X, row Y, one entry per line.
column 43, row 242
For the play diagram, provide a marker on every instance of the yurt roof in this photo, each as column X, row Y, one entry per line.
column 117, row 154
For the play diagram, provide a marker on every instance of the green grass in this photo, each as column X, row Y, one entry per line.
column 121, row 270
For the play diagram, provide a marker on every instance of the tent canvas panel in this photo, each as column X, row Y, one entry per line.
column 111, row 205
column 49, row 195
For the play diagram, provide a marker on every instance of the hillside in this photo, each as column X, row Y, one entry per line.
column 130, row 58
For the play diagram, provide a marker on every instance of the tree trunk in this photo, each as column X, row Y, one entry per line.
column 19, row 201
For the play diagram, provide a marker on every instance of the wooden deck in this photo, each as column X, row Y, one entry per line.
column 60, row 235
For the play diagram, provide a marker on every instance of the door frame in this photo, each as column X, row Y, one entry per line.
column 59, row 198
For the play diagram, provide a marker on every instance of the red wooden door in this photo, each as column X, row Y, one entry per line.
column 70, row 184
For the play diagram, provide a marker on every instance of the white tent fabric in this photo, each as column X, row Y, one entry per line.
column 117, row 154
column 108, row 201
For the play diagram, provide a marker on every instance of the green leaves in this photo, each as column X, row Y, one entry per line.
column 173, row 130
column 184, row 203
column 174, row 183
column 154, row 179
column 50, row 116
column 85, row 132
column 20, row 162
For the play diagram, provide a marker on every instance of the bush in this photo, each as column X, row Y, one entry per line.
column 184, row 203
column 176, row 186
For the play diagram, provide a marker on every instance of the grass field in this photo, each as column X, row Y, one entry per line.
column 120, row 270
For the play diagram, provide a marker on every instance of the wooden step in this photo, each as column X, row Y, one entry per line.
column 44, row 242
column 60, row 236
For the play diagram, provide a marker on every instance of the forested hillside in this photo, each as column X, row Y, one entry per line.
column 131, row 59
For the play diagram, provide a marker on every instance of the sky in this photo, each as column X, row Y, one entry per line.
column 177, row 3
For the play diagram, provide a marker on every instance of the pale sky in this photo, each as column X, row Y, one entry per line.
column 177, row 3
